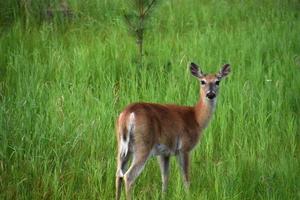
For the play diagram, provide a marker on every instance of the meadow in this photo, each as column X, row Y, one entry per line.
column 62, row 85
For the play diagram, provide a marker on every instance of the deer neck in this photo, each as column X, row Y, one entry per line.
column 204, row 110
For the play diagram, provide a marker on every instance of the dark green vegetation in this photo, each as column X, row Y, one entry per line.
column 62, row 85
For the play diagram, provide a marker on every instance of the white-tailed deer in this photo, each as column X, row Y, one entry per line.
column 146, row 129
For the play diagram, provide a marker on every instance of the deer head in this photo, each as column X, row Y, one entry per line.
column 209, row 82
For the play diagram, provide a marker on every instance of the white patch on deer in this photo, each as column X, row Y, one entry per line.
column 131, row 122
column 120, row 173
column 124, row 147
column 179, row 144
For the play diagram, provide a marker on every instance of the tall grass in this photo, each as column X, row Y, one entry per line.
column 61, row 90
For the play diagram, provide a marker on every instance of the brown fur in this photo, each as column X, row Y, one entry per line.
column 177, row 128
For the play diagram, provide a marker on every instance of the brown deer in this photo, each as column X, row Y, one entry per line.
column 146, row 129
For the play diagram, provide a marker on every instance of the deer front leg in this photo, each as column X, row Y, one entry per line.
column 164, row 168
column 183, row 160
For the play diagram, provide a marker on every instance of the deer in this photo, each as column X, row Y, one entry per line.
column 144, row 130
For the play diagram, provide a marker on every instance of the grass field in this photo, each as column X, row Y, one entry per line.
column 62, row 86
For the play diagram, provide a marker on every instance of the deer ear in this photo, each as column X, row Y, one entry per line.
column 225, row 70
column 195, row 71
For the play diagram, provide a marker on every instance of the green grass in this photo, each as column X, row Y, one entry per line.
column 62, row 87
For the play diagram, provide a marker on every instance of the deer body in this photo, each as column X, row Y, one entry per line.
column 170, row 126
column 163, row 130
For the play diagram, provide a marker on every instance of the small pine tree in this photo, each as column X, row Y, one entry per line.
column 136, row 19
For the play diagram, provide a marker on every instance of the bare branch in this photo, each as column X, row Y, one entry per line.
column 126, row 17
column 149, row 7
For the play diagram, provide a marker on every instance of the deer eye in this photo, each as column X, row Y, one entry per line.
column 203, row 82
column 217, row 82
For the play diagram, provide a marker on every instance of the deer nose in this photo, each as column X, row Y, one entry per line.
column 211, row 95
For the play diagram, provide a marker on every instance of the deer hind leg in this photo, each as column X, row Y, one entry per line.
column 124, row 151
column 121, row 168
column 183, row 160
column 164, row 168
column 139, row 159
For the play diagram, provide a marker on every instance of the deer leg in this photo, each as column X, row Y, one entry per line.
column 139, row 159
column 164, row 168
column 183, row 159
column 121, row 167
